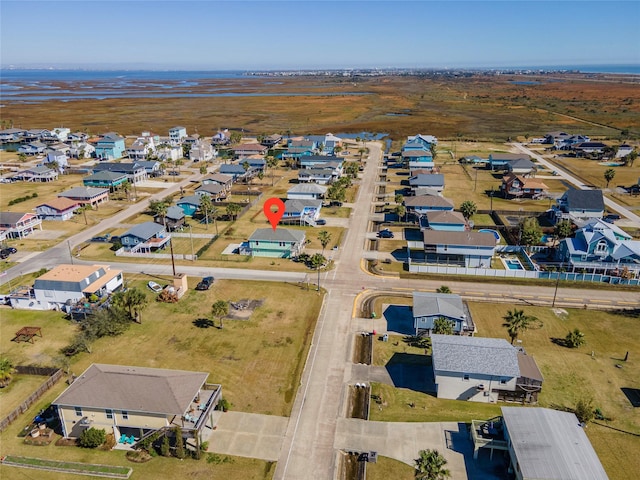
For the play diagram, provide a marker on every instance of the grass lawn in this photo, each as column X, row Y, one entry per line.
column 383, row 351
column 258, row 361
column 386, row 468
column 21, row 387
column 74, row 466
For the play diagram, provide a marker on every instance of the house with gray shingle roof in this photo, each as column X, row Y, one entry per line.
column 421, row 182
column 136, row 401
column 581, row 204
column 87, row 195
column 427, row 307
column 278, row 243
column 306, row 191
column 105, row 179
column 38, row 174
column 145, row 237
column 421, row 204
column 473, row 368
column 175, row 218
column 215, row 191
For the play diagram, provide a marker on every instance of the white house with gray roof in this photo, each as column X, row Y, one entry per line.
column 137, row 401
column 427, row 307
column 306, row 191
column 474, row 368
column 547, row 444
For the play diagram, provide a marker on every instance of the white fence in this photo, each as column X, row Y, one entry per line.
column 177, row 256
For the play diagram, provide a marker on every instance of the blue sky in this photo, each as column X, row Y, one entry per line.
column 317, row 34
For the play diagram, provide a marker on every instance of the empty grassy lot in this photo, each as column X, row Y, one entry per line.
column 386, row 468
column 21, row 387
column 570, row 375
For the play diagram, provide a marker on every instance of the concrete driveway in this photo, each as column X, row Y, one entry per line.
column 248, row 435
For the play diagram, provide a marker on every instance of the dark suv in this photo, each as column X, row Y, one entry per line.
column 386, row 233
column 205, row 283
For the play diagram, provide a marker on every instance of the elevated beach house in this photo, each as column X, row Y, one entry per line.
column 279, row 243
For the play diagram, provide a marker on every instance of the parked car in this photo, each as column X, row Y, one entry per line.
column 321, row 221
column 157, row 288
column 386, row 233
column 3, row 255
column 10, row 250
column 205, row 283
column 612, row 217
column 103, row 238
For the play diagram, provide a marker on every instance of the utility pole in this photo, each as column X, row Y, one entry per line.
column 555, row 293
column 70, row 253
column 173, row 263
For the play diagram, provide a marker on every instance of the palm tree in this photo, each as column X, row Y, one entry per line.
column 516, row 321
column 206, row 205
column 574, row 339
column 468, row 209
column 609, row 173
column 430, row 466
column 159, row 208
column 272, row 163
column 219, row 310
column 325, row 238
column 400, row 210
column 443, row 289
column 564, row 228
column 135, row 301
column 83, row 209
column 442, row 326
column 233, row 209
column 317, row 261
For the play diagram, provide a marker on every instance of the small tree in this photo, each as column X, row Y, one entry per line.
column 92, row 438
column 233, row 209
column 219, row 310
column 317, row 261
column 399, row 198
column 430, row 466
column 180, row 452
column 443, row 289
column 468, row 209
column 609, row 173
column 6, row 371
column 206, row 206
column 165, row 448
column 584, row 410
column 203, row 169
column 443, row 326
column 574, row 339
column 531, row 232
column 564, row 229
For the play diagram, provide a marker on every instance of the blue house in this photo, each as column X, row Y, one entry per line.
column 110, row 146
column 303, row 211
column 279, row 243
column 428, row 307
column 417, row 159
column 105, row 179
column 425, row 140
column 145, row 237
column 320, row 161
column 599, row 246
column 234, row 170
column 297, row 149
column 189, row 205
column 433, row 182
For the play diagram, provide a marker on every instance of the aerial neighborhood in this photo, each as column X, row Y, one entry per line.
column 141, row 257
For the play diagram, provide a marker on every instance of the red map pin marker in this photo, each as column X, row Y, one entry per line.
column 274, row 217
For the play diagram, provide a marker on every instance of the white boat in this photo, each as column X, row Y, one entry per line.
column 155, row 287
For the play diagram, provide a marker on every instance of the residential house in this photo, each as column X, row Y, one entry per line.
column 580, row 204
column 136, row 401
column 549, row 444
column 306, row 191
column 18, row 224
column 12, row 135
column 152, row 167
column 501, row 161
column 325, row 144
column 233, row 170
column 191, row 140
column 37, row 174
column 278, row 243
column 271, row 141
column 174, row 218
column 215, row 191
column 177, row 135
column 444, row 220
column 600, row 246
column 59, row 157
column 61, row 133
column 33, row 148
column 110, row 146
column 256, row 162
column 226, row 181
column 135, row 171
column 66, row 284
column 245, row 150
column 189, row 205
column 321, row 161
column 299, row 148
column 87, row 195
column 302, row 211
column 321, row 176
column 76, row 138
column 563, row 140
column 624, row 150
column 425, row 140
column 221, row 138
column 522, row 166
column 588, row 147
column 170, row 153
column 141, row 149
column 460, row 249
column 417, row 159
column 483, row 370
column 202, row 151
column 428, row 307
column 105, row 179
column 421, row 204
column 38, row 135
column 145, row 237
column 59, row 208
column 82, row 150
column 518, row 186
column 421, row 182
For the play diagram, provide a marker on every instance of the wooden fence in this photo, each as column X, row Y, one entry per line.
column 55, row 376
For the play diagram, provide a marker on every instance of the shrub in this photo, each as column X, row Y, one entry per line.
column 224, row 405
column 92, row 438
column 109, row 442
column 180, row 452
column 165, row 450
column 204, row 446
column 584, row 410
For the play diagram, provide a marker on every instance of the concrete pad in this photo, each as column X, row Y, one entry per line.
column 248, row 435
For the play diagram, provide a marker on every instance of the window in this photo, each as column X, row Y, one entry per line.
column 125, row 415
column 465, row 377
column 109, row 413
column 503, row 381
column 601, row 247
column 78, row 411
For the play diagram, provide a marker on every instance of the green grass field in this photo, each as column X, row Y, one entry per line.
column 386, row 468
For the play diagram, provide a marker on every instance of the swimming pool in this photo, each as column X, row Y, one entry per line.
column 488, row 230
column 512, row 264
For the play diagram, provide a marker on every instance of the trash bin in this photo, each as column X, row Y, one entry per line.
column 373, row 314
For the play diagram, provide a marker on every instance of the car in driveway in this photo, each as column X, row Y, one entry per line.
column 205, row 283
column 321, row 221
column 612, row 217
column 386, row 233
